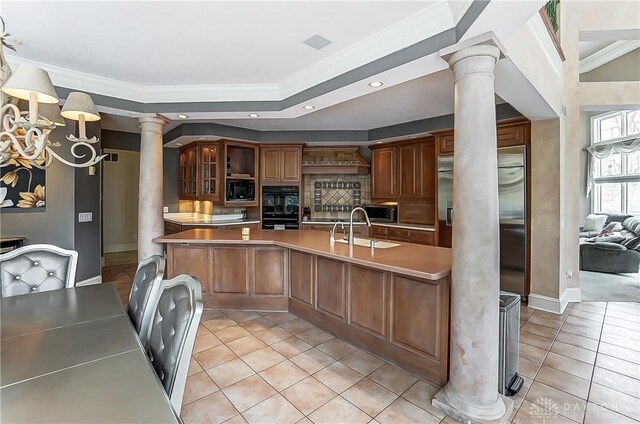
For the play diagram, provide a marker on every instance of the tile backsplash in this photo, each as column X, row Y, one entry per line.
column 333, row 196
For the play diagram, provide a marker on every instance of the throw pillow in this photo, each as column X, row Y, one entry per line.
column 632, row 224
column 611, row 238
column 633, row 244
column 594, row 222
column 611, row 228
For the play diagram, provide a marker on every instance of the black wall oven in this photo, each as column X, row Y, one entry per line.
column 280, row 208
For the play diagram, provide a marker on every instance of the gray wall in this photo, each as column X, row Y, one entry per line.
column 624, row 68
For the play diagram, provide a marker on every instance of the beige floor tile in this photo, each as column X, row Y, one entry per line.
column 230, row 334
column 532, row 353
column 274, row 410
column 596, row 414
column 551, row 316
column 283, row 375
column 567, row 405
column 369, row 396
column 305, row 420
column 194, row 367
column 421, row 394
column 205, row 341
column 214, row 408
column 618, row 365
column 248, row 392
column 402, row 411
column 575, row 340
column 258, row 324
column 630, row 307
column 552, row 323
column 363, row 362
column 238, row 419
column 596, row 307
column 568, row 365
column 621, row 341
column 198, row 386
column 566, row 382
column 202, row 330
column 621, row 332
column 598, row 317
column 246, row 345
column 273, row 335
column 315, row 336
column 278, row 317
column 535, row 340
column 530, row 413
column 336, row 348
column 619, row 352
column 574, row 352
column 230, row 372
column 215, row 356
column 540, row 330
column 393, row 378
column 242, row 316
column 308, row 395
column 291, row 347
column 528, row 368
column 634, row 317
column 297, row 326
column 616, row 401
column 622, row 383
column 208, row 314
column 629, row 325
column 339, row 411
column 218, row 323
column 592, row 333
column 338, row 377
column 581, row 322
column 312, row 360
column 262, row 359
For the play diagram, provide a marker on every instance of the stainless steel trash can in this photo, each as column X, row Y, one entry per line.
column 509, row 382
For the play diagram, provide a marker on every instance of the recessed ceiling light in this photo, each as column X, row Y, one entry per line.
column 178, row 144
column 182, row 116
column 202, row 138
column 253, row 115
column 376, row 84
column 308, row 107
column 378, row 142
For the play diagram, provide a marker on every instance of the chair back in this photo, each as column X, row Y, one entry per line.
column 144, row 290
column 173, row 333
column 37, row 268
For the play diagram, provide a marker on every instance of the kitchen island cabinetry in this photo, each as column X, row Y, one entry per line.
column 407, row 235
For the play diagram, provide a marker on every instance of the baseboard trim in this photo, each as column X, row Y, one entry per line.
column 90, row 281
column 545, row 303
column 570, row 295
column 112, row 248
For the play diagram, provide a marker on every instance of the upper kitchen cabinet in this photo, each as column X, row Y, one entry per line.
column 209, row 176
column 513, row 132
column 189, row 173
column 280, row 164
column 383, row 173
column 409, row 171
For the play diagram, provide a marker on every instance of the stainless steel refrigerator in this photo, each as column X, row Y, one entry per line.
column 513, row 213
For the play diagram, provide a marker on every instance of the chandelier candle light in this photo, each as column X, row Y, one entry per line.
column 26, row 134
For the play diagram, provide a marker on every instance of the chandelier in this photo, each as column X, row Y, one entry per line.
column 25, row 134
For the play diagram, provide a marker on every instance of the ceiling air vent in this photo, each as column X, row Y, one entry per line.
column 316, row 41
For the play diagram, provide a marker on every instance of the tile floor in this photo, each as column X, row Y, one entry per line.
column 582, row 366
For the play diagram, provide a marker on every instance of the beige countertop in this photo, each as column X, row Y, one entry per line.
column 204, row 219
column 428, row 262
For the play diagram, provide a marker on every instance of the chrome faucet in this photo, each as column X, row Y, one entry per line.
column 366, row 217
column 332, row 237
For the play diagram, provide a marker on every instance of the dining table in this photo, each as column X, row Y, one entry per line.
column 73, row 356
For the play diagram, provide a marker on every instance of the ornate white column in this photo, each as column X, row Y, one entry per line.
column 471, row 395
column 150, row 193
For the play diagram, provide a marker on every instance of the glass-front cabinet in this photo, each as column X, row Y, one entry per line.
column 209, row 172
column 189, row 173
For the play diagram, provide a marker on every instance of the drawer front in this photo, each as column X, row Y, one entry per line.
column 399, row 233
column 421, row 237
column 378, row 231
column 172, row 228
column 446, row 143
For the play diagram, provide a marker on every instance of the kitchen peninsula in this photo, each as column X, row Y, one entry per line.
column 392, row 301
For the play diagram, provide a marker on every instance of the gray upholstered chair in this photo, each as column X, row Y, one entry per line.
column 173, row 333
column 144, row 290
column 37, row 268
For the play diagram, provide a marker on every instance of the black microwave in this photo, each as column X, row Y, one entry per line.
column 241, row 191
column 381, row 213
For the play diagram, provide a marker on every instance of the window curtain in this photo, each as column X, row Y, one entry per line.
column 603, row 151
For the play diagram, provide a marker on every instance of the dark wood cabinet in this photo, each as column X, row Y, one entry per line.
column 402, row 234
column 209, row 172
column 281, row 165
column 189, row 173
column 508, row 133
column 409, row 171
column 383, row 173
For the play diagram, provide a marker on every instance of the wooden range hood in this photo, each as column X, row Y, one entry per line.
column 333, row 160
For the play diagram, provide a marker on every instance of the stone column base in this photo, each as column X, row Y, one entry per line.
column 441, row 401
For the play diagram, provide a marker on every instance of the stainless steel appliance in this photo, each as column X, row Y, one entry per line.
column 513, row 216
column 381, row 213
column 280, row 208
column 509, row 382
column 241, row 191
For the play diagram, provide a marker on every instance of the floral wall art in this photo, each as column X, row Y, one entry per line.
column 22, row 185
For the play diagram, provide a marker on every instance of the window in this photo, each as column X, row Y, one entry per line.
column 617, row 177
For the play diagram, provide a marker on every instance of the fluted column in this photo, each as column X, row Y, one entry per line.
column 150, row 193
column 471, row 394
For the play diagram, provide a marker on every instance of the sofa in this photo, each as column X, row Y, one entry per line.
column 619, row 256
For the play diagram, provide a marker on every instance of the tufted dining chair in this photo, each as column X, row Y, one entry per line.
column 173, row 333
column 37, row 268
column 144, row 290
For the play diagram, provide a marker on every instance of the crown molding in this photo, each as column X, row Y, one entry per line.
column 607, row 54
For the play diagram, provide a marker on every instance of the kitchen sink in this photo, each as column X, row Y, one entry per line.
column 366, row 243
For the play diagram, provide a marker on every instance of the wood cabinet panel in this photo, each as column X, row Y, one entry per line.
column 417, row 317
column 331, row 287
column 511, row 135
column 368, row 299
column 209, row 172
column 409, row 171
column 281, row 164
column 445, row 142
column 188, row 168
column 421, row 237
column 190, row 260
column 270, row 271
column 301, row 276
column 230, row 267
column 172, row 228
column 291, row 164
column 428, row 170
column 379, row 232
column 398, row 234
column 383, row 173
column 269, row 164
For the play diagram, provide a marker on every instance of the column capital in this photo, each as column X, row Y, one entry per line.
column 152, row 117
column 487, row 39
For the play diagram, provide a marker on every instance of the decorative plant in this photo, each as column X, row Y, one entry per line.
column 552, row 12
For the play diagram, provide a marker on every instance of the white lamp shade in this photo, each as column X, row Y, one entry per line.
column 29, row 79
column 80, row 104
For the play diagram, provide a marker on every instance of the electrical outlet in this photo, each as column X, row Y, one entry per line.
column 85, row 217
column 569, row 274
column 165, row 209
